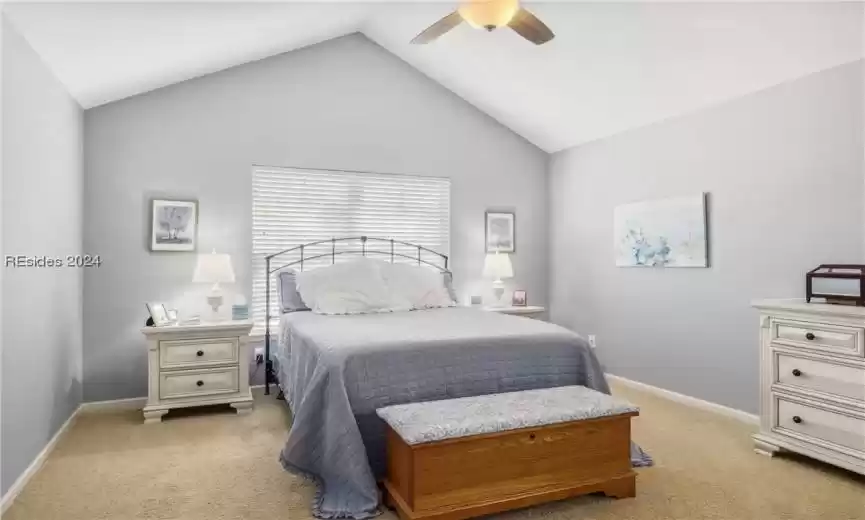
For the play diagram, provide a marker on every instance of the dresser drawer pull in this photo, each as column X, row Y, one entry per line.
column 810, row 336
column 199, row 353
column 797, row 372
column 532, row 436
column 199, row 383
column 797, row 419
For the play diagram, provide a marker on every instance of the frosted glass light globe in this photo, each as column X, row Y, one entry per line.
column 489, row 14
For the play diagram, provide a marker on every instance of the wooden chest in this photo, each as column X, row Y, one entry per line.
column 488, row 473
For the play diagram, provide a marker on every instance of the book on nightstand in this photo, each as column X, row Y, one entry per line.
column 239, row 312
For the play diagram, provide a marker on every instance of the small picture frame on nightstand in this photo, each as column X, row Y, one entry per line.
column 158, row 313
column 519, row 298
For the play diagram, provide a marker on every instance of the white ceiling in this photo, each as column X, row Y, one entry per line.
column 103, row 52
column 612, row 66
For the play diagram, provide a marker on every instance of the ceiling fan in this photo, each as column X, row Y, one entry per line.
column 490, row 15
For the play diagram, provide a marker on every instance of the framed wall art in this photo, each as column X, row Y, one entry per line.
column 174, row 225
column 662, row 233
column 500, row 232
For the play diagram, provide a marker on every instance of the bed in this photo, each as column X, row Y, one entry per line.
column 336, row 370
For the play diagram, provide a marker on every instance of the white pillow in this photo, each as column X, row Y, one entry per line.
column 422, row 287
column 355, row 287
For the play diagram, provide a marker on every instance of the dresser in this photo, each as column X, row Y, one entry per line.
column 812, row 381
column 197, row 365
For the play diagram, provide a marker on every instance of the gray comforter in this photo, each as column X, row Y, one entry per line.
column 337, row 370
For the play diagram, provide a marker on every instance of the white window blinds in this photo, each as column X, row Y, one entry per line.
column 291, row 207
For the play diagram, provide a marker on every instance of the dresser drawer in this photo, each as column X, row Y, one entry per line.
column 192, row 352
column 820, row 375
column 811, row 423
column 193, row 383
column 837, row 339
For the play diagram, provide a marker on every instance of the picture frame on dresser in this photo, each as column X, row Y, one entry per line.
column 519, row 299
column 158, row 313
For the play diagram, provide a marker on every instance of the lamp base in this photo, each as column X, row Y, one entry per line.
column 498, row 292
column 214, row 299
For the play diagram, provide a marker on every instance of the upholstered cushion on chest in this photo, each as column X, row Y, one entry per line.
column 432, row 421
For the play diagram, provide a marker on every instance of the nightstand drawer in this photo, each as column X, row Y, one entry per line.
column 821, row 337
column 191, row 383
column 834, row 378
column 820, row 425
column 187, row 353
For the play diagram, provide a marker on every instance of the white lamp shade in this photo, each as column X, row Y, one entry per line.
column 498, row 266
column 213, row 268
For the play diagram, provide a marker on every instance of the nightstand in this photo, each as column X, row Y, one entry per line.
column 195, row 365
column 530, row 311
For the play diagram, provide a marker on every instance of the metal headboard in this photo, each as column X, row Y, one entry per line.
column 302, row 249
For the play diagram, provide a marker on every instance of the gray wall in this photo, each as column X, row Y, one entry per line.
column 41, row 215
column 343, row 104
column 784, row 172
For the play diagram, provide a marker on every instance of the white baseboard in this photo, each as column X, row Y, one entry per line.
column 726, row 411
column 134, row 403
column 22, row 480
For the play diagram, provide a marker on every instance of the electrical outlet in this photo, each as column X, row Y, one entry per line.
column 259, row 355
column 593, row 341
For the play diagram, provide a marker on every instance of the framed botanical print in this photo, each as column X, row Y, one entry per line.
column 500, row 235
column 173, row 225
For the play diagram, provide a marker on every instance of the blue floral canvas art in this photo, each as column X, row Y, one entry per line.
column 662, row 233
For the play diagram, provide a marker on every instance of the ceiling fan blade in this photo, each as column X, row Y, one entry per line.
column 439, row 28
column 529, row 27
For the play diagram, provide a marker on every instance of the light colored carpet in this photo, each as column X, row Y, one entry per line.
column 217, row 466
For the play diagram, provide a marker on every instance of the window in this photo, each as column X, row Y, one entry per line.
column 291, row 207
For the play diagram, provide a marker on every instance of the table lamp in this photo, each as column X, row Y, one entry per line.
column 497, row 266
column 214, row 268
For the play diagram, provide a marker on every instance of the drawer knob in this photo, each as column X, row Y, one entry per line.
column 810, row 336
column 797, row 372
column 532, row 436
column 199, row 383
column 797, row 419
column 199, row 353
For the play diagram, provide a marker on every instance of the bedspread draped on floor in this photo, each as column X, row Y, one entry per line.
column 337, row 370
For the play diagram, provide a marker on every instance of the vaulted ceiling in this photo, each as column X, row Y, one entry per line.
column 611, row 67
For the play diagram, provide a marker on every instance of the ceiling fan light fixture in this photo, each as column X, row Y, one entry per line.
column 489, row 14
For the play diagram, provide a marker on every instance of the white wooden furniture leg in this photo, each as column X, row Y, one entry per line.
column 243, row 407
column 154, row 416
column 765, row 448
